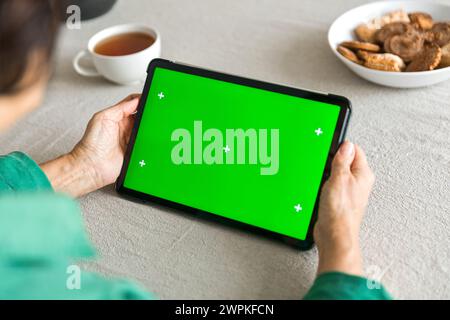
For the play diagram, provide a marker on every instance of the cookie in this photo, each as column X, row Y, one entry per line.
column 390, row 17
column 398, row 41
column 358, row 45
column 382, row 61
column 428, row 36
column 406, row 45
column 364, row 32
column 445, row 60
column 394, row 16
column 428, row 59
column 363, row 55
column 441, row 32
column 421, row 20
column 392, row 29
column 396, row 59
column 349, row 54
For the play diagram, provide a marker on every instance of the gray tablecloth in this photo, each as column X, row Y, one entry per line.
column 406, row 232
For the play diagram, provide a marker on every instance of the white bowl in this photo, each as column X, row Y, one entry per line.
column 343, row 28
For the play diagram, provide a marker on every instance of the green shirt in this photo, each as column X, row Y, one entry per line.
column 42, row 237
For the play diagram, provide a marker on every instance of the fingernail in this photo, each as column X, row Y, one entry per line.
column 347, row 148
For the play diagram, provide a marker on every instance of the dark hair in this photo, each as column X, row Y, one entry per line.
column 26, row 27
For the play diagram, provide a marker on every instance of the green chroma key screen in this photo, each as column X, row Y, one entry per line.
column 244, row 153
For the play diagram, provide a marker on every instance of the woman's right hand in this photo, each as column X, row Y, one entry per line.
column 343, row 202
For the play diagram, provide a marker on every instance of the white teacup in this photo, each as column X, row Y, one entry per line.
column 126, row 69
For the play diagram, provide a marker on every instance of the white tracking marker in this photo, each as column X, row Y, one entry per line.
column 298, row 208
column 318, row 131
column 161, row 95
column 142, row 163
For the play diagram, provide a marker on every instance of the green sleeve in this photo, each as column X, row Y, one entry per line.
column 18, row 172
column 41, row 238
column 342, row 286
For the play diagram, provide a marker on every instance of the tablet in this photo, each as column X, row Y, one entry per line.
column 242, row 152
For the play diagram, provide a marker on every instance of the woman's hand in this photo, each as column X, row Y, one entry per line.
column 97, row 159
column 342, row 205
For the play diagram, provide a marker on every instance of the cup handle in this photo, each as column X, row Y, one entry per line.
column 87, row 72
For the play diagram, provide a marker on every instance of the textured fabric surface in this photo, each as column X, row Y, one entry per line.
column 405, row 234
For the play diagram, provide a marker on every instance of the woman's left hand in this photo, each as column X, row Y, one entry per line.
column 97, row 159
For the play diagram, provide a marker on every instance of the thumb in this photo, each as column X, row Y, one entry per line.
column 130, row 106
column 343, row 159
column 122, row 109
